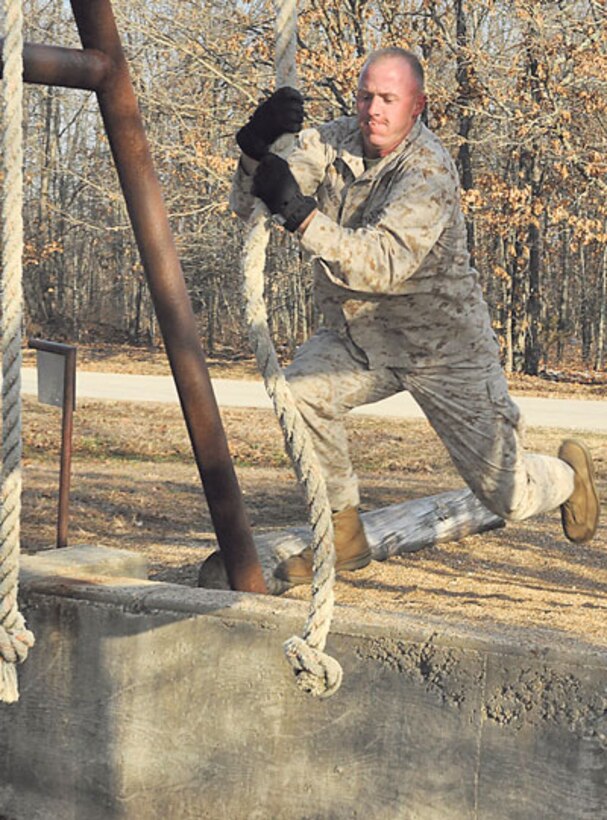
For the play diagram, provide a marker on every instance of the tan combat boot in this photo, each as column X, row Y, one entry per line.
column 580, row 513
column 351, row 550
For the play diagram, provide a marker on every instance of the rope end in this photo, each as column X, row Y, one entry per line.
column 316, row 673
column 14, row 648
column 9, row 687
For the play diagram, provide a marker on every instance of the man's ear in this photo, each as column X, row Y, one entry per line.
column 420, row 104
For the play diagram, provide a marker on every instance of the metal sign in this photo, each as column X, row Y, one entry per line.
column 51, row 377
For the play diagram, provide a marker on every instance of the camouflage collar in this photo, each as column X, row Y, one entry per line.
column 352, row 152
column 352, row 149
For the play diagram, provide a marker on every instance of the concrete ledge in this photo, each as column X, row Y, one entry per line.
column 81, row 560
column 146, row 700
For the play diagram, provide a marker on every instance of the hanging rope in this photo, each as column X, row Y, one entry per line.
column 15, row 639
column 315, row 671
column 285, row 48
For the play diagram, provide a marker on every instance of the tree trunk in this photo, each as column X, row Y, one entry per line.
column 463, row 75
column 533, row 346
column 519, row 298
column 586, row 318
column 563, row 323
column 532, row 174
column 599, row 358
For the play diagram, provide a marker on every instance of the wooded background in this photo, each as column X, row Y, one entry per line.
column 517, row 90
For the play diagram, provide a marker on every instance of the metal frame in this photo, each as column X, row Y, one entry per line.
column 101, row 67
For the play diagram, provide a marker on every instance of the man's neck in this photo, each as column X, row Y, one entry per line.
column 371, row 162
column 371, row 154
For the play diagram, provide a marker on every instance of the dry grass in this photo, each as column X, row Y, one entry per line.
column 135, row 486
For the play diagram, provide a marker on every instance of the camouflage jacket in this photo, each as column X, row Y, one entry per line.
column 391, row 264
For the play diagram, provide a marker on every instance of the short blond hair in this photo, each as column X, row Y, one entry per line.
column 403, row 54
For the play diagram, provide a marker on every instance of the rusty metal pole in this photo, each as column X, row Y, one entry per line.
column 68, row 67
column 68, row 404
column 128, row 142
column 67, row 429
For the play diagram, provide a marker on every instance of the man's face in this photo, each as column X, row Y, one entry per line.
column 388, row 102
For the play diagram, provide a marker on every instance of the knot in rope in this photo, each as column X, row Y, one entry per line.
column 15, row 643
column 316, row 672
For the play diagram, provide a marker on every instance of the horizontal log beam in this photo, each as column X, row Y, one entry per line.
column 67, row 67
column 395, row 530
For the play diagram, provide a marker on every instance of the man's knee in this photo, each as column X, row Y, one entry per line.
column 505, row 502
column 300, row 386
column 512, row 512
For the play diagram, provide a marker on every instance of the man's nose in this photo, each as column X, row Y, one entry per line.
column 374, row 106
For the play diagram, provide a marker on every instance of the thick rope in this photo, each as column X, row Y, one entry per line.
column 285, row 48
column 15, row 639
column 315, row 671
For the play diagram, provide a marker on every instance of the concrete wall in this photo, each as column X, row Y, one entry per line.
column 144, row 700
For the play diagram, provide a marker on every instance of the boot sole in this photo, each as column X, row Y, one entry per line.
column 591, row 481
column 353, row 564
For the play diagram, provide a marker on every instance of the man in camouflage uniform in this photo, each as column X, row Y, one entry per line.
column 375, row 200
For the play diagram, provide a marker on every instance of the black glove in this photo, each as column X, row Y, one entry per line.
column 275, row 185
column 282, row 113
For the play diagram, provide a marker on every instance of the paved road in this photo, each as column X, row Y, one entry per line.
column 561, row 413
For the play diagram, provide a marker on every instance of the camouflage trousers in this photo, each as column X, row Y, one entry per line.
column 468, row 407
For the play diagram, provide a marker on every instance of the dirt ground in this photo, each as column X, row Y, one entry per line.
column 135, row 486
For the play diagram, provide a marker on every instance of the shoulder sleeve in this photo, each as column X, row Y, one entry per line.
column 383, row 254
